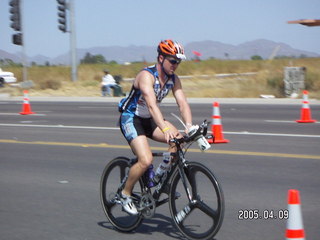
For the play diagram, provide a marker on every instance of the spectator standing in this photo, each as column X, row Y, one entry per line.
column 107, row 83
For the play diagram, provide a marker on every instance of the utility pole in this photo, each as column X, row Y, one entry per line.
column 73, row 42
column 63, row 6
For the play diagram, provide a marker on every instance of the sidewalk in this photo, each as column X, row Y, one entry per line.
column 4, row 97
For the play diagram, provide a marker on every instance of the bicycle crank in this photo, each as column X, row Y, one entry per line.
column 114, row 198
column 147, row 206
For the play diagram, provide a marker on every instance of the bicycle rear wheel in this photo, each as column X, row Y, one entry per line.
column 110, row 186
column 200, row 218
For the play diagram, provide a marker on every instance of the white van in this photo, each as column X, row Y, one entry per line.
column 6, row 77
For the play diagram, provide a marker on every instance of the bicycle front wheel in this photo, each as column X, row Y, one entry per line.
column 197, row 212
column 111, row 183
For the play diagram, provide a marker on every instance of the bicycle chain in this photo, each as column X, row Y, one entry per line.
column 147, row 206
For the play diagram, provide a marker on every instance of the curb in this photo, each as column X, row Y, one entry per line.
column 6, row 97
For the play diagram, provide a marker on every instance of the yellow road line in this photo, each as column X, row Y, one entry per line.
column 105, row 145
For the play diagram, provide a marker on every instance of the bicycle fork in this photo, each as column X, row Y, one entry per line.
column 180, row 216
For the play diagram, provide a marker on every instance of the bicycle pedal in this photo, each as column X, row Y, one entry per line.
column 114, row 198
column 116, row 201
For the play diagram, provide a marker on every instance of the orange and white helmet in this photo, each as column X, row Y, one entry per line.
column 171, row 48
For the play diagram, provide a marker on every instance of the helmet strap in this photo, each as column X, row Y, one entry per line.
column 162, row 68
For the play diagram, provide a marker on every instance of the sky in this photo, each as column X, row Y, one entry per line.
column 102, row 23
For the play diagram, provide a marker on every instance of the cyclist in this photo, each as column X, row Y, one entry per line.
column 141, row 117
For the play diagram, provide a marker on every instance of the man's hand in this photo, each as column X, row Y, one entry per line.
column 170, row 133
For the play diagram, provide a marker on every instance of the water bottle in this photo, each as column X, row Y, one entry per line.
column 203, row 143
column 201, row 140
column 164, row 166
column 150, row 176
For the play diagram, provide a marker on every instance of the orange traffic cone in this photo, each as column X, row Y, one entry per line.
column 26, row 107
column 294, row 223
column 216, row 126
column 305, row 110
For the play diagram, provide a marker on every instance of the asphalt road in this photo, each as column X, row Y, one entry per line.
column 51, row 164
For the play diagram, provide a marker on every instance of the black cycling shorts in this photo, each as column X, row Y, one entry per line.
column 133, row 126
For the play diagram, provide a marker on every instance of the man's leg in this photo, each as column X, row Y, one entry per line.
column 141, row 149
column 108, row 88
column 103, row 90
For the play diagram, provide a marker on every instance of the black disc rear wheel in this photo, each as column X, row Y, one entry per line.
column 112, row 177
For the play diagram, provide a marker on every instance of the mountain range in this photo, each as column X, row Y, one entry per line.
column 208, row 49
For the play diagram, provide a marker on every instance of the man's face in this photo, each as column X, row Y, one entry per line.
column 170, row 64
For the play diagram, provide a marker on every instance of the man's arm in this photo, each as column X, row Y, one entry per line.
column 144, row 82
column 182, row 102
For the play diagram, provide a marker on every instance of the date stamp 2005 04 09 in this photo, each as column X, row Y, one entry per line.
column 255, row 214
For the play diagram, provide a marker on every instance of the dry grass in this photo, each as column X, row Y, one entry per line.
column 55, row 80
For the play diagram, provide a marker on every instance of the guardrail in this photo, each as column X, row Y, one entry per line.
column 220, row 75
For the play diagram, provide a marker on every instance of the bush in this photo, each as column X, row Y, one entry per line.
column 312, row 81
column 49, row 84
column 256, row 57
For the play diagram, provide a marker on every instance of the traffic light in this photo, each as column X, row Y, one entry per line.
column 16, row 21
column 62, row 20
column 17, row 39
column 15, row 14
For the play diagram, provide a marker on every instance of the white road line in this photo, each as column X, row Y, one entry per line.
column 283, row 121
column 9, row 114
column 117, row 128
column 58, row 126
column 272, row 134
column 16, row 114
column 98, row 107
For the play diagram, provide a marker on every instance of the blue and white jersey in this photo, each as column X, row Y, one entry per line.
column 135, row 102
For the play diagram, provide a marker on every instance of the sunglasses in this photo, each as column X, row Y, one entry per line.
column 174, row 61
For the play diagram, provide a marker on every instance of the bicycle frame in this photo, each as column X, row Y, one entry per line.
column 179, row 162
